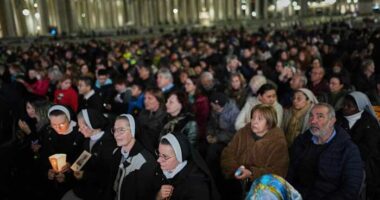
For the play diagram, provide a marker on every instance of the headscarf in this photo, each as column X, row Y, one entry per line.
column 181, row 147
column 66, row 111
column 363, row 102
column 309, row 94
column 132, row 123
column 272, row 187
column 94, row 119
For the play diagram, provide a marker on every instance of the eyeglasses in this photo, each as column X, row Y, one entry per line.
column 120, row 130
column 163, row 156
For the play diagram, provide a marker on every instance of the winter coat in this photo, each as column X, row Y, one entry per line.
column 339, row 170
column 261, row 156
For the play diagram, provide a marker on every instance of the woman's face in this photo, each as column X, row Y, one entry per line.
column 235, row 83
column 269, row 97
column 151, row 102
column 189, row 86
column 335, row 85
column 66, row 84
column 59, row 123
column 349, row 107
column 259, row 124
column 122, row 132
column 173, row 106
column 31, row 111
column 166, row 157
column 299, row 100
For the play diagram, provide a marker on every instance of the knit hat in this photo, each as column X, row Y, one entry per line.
column 94, row 119
column 219, row 98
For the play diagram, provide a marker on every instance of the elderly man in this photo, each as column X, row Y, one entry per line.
column 165, row 81
column 324, row 162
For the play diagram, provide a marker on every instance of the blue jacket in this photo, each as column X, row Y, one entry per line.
column 339, row 170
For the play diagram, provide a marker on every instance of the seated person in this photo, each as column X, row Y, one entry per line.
column 324, row 162
column 359, row 120
column 185, row 174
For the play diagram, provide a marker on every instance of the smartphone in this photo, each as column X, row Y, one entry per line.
column 238, row 172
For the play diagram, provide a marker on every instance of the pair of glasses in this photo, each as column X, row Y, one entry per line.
column 120, row 130
column 163, row 156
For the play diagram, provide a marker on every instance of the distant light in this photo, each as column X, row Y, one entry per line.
column 330, row 1
column 297, row 7
column 25, row 12
column 35, row 5
column 356, row 1
column 376, row 6
column 243, row 7
column 37, row 15
column 280, row 4
column 271, row 8
column 348, row 1
column 175, row 10
column 254, row 14
column 83, row 15
column 38, row 28
column 294, row 3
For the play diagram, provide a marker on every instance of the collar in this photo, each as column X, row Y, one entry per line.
column 89, row 94
column 176, row 170
column 168, row 87
column 353, row 118
column 315, row 138
column 97, row 136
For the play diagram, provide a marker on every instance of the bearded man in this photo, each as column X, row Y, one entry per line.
column 324, row 162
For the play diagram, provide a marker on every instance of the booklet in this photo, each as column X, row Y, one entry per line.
column 81, row 161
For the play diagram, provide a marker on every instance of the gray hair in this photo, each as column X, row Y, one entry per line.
column 207, row 75
column 165, row 72
column 55, row 74
column 330, row 112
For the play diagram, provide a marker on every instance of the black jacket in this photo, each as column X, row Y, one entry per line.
column 366, row 134
column 96, row 171
column 94, row 102
column 339, row 170
column 140, row 183
column 191, row 183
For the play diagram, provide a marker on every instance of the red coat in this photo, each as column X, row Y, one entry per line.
column 68, row 97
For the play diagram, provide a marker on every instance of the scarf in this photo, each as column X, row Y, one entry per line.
column 294, row 126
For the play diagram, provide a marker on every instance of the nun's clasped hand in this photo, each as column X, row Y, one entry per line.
column 165, row 191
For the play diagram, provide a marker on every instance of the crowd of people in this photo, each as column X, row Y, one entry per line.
column 217, row 114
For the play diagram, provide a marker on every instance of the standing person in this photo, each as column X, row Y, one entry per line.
column 324, row 162
column 256, row 149
column 99, row 142
column 359, row 120
column 185, row 174
column 135, row 174
column 62, row 137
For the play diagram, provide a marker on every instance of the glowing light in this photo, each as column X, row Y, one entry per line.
column 175, row 10
column 280, row 4
column 83, row 15
column 254, row 14
column 243, row 7
column 35, row 5
column 25, row 12
column 37, row 15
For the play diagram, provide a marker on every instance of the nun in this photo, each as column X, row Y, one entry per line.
column 135, row 167
column 63, row 137
column 185, row 173
column 358, row 118
column 93, row 176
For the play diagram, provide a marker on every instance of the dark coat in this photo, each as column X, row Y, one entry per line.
column 96, row 172
column 339, row 168
column 150, row 124
column 94, row 102
column 190, row 183
column 142, row 183
column 366, row 134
